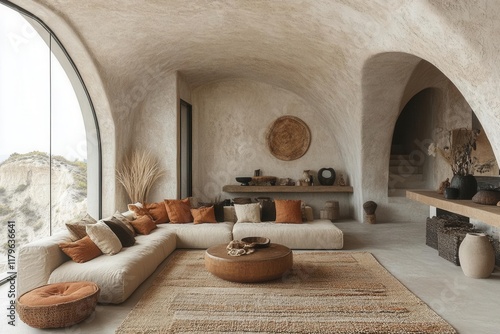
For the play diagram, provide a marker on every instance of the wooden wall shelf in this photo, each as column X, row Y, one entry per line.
column 286, row 189
column 489, row 214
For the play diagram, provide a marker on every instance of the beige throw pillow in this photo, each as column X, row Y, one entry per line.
column 104, row 238
column 78, row 228
column 248, row 212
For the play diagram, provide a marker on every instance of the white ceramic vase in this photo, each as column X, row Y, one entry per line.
column 476, row 255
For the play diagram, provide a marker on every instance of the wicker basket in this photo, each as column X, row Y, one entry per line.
column 449, row 240
column 58, row 315
column 435, row 223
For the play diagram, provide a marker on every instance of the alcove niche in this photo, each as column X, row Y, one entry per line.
column 421, row 121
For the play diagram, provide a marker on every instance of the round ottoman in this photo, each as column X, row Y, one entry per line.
column 58, row 305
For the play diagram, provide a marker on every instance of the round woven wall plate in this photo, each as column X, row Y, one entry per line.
column 288, row 138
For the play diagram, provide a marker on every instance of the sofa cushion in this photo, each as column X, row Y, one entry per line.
column 318, row 234
column 82, row 250
column 204, row 215
column 78, row 228
column 179, row 211
column 125, row 236
column 143, row 224
column 288, row 211
column 119, row 275
column 104, row 238
column 248, row 212
column 200, row 236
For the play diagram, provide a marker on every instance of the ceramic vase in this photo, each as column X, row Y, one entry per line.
column 466, row 185
column 476, row 255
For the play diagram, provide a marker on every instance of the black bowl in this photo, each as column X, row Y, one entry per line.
column 243, row 180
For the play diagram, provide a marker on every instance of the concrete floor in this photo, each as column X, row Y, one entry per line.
column 469, row 305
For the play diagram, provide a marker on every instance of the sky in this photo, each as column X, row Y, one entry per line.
column 27, row 76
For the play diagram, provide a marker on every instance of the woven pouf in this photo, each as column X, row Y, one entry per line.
column 58, row 305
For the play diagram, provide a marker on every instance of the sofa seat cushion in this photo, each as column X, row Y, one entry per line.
column 200, row 236
column 318, row 234
column 119, row 275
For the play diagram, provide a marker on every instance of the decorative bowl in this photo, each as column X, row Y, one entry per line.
column 243, row 180
column 257, row 242
column 264, row 180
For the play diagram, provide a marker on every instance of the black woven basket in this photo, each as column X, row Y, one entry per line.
column 449, row 240
column 435, row 223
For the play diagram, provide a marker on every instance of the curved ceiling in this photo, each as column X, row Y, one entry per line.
column 316, row 49
column 297, row 45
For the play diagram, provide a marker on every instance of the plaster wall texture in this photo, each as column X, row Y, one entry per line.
column 232, row 121
column 349, row 61
column 155, row 131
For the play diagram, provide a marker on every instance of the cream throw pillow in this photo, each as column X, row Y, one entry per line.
column 104, row 238
column 247, row 212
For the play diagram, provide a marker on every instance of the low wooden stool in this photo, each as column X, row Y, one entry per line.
column 58, row 305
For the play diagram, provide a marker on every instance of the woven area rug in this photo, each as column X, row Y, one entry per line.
column 325, row 292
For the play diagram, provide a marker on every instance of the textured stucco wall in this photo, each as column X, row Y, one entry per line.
column 155, row 130
column 231, row 122
column 349, row 62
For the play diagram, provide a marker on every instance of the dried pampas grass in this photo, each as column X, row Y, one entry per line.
column 138, row 173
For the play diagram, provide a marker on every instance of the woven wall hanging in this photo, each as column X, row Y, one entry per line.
column 288, row 138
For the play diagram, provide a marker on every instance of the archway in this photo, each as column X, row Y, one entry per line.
column 408, row 165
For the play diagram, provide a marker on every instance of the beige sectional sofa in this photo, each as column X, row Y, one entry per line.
column 42, row 262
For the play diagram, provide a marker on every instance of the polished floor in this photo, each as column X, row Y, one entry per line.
column 469, row 305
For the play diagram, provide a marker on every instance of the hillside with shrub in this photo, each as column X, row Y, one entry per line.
column 28, row 184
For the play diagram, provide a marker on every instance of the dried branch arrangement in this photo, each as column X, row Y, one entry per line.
column 457, row 151
column 138, row 173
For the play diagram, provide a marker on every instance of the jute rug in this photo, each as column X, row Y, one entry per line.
column 325, row 292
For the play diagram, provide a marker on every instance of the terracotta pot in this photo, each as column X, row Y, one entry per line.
column 476, row 255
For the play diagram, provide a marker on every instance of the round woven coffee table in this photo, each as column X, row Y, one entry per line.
column 263, row 265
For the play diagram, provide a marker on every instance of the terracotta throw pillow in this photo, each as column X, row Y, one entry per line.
column 143, row 225
column 288, row 211
column 82, row 250
column 139, row 210
column 158, row 212
column 205, row 214
column 179, row 211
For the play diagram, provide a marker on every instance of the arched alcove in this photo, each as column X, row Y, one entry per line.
column 408, row 165
column 425, row 116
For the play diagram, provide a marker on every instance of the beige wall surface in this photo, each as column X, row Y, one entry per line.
column 232, row 119
column 347, row 67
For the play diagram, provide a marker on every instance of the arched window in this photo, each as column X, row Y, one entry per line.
column 49, row 138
